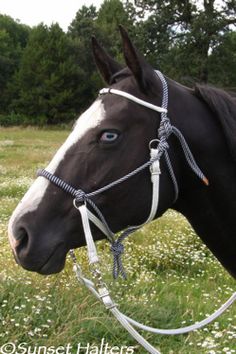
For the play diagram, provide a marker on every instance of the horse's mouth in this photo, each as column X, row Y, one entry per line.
column 55, row 262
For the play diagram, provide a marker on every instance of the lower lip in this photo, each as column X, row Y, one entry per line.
column 55, row 263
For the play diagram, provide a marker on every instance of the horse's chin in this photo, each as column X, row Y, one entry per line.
column 55, row 262
column 52, row 268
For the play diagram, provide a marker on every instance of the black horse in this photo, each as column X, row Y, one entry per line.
column 111, row 139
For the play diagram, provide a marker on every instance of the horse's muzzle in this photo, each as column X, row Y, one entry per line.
column 31, row 255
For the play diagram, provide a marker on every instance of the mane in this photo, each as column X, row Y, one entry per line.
column 223, row 105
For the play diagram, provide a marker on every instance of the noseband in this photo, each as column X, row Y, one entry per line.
column 83, row 202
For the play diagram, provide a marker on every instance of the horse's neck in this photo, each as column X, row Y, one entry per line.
column 211, row 210
column 212, row 213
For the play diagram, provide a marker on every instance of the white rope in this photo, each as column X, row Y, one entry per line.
column 176, row 331
column 186, row 329
column 92, row 251
column 128, row 322
column 116, row 313
column 133, row 98
column 102, row 293
column 140, row 339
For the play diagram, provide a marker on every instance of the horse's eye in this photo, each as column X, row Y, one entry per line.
column 109, row 137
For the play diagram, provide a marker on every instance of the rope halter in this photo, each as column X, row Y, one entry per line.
column 161, row 148
column 82, row 200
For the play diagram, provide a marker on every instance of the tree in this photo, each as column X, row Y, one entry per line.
column 110, row 15
column 13, row 39
column 49, row 77
column 188, row 29
column 104, row 25
column 80, row 31
column 222, row 62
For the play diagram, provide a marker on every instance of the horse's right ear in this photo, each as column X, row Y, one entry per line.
column 106, row 65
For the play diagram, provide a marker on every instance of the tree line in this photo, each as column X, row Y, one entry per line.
column 48, row 76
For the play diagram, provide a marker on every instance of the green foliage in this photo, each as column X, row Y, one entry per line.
column 12, row 119
column 49, row 76
column 222, row 62
column 110, row 15
column 13, row 39
column 183, row 33
column 104, row 24
column 82, row 28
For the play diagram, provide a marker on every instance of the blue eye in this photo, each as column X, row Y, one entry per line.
column 109, row 137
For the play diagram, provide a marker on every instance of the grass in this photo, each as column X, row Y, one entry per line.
column 173, row 278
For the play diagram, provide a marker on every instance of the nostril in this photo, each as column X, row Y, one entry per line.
column 22, row 238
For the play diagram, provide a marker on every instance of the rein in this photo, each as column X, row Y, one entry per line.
column 82, row 201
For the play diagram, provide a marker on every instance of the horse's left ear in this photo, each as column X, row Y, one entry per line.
column 141, row 70
column 106, row 65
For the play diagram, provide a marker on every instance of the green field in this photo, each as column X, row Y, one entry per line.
column 173, row 280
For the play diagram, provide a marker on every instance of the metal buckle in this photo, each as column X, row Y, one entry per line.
column 106, row 298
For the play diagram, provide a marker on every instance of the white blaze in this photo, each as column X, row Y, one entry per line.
column 88, row 120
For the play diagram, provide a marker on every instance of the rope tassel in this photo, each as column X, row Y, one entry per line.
column 189, row 156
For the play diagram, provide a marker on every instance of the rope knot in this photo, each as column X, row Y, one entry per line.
column 164, row 131
column 165, row 128
column 80, row 196
column 117, row 249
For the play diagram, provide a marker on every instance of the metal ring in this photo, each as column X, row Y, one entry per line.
column 75, row 204
column 157, row 141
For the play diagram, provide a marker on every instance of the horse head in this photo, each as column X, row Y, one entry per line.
column 108, row 141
